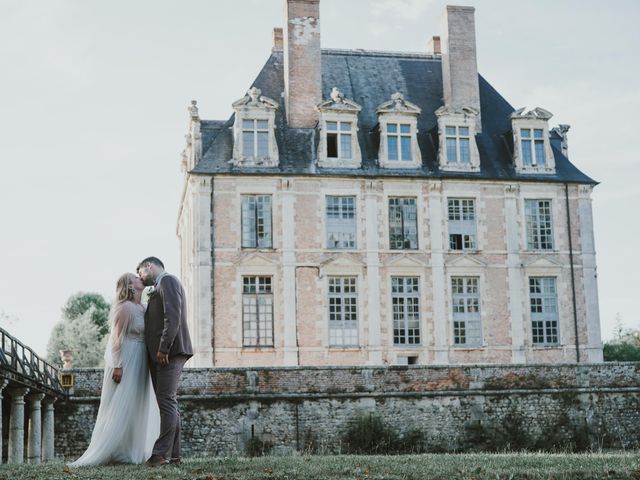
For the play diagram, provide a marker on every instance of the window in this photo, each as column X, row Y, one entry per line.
column 403, row 224
column 532, row 148
column 544, row 310
column 339, row 140
column 539, row 227
column 257, row 312
column 256, row 221
column 465, row 300
column 341, row 222
column 255, row 138
column 399, row 141
column 343, row 311
column 405, row 299
column 462, row 224
column 457, row 139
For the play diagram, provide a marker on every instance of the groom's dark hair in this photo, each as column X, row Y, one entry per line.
column 154, row 260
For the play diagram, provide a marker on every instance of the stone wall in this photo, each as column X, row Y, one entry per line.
column 455, row 408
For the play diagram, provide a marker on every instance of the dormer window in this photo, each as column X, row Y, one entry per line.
column 398, row 119
column 399, row 141
column 339, row 147
column 532, row 149
column 255, row 138
column 253, row 131
column 339, row 140
column 457, row 144
column 532, row 146
column 456, row 137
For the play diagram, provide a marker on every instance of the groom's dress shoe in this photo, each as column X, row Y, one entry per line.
column 175, row 461
column 156, row 461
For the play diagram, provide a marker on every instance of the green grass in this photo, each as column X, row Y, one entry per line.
column 510, row 466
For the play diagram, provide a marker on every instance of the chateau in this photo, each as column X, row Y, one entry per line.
column 370, row 208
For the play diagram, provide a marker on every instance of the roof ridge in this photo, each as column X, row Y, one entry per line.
column 380, row 53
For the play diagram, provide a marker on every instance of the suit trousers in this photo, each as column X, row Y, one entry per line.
column 165, row 382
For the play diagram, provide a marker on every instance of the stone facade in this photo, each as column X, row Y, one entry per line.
column 501, row 262
column 222, row 409
column 299, row 261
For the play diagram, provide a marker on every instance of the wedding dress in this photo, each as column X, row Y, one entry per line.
column 128, row 421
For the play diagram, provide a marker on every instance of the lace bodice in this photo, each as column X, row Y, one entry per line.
column 136, row 327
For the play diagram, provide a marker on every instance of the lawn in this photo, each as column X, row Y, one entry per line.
column 429, row 466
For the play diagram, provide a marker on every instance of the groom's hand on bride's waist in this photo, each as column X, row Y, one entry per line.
column 117, row 375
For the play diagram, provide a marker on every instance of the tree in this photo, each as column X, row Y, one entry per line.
column 78, row 304
column 83, row 330
column 625, row 346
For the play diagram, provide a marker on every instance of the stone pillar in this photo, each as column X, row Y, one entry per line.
column 593, row 348
column 289, row 278
column 16, row 425
column 514, row 274
column 34, row 440
column 436, row 217
column 48, row 452
column 373, row 275
column 3, row 383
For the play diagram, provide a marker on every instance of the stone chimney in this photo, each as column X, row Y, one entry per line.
column 459, row 64
column 302, row 71
column 277, row 39
column 434, row 45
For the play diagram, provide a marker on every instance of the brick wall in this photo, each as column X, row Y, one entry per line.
column 222, row 408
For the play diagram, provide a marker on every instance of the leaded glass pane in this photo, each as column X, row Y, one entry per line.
column 262, row 124
column 392, row 147
column 247, row 143
column 341, row 222
column 544, row 310
column 345, row 146
column 345, row 126
column 256, row 221
column 332, row 126
column 463, row 131
column 257, row 312
column 405, row 300
column 452, row 155
column 450, row 131
column 526, row 153
column 403, row 223
column 405, row 144
column 263, row 144
column 404, row 128
column 343, row 311
column 461, row 223
column 538, row 224
column 247, row 124
column 539, row 145
column 464, row 150
column 465, row 300
column 392, row 128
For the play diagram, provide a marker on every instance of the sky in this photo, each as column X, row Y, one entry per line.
column 93, row 113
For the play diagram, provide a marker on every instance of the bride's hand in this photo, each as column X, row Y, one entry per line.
column 117, row 375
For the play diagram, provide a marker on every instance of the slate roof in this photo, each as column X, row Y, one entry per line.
column 369, row 78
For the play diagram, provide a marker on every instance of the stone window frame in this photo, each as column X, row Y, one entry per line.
column 407, row 273
column 358, row 315
column 467, row 117
column 473, row 249
column 388, row 216
column 535, row 119
column 399, row 111
column 254, row 106
column 242, row 222
column 343, row 269
column 341, row 110
column 259, row 188
column 356, row 221
column 542, row 192
column 544, row 344
column 478, row 272
column 256, row 268
column 527, row 226
column 402, row 189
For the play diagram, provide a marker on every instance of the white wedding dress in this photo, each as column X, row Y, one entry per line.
column 128, row 421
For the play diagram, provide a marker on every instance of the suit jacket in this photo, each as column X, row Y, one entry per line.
column 165, row 321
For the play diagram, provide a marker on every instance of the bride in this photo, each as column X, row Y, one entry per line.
column 128, row 421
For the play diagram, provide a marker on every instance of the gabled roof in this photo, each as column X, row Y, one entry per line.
column 370, row 78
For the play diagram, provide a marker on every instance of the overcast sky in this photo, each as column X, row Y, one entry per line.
column 93, row 98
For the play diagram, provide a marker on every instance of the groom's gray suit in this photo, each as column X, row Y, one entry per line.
column 165, row 330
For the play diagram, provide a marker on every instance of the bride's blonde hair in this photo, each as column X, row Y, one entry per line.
column 124, row 288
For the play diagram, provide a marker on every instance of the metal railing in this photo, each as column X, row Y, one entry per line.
column 21, row 360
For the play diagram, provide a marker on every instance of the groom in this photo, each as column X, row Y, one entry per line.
column 169, row 347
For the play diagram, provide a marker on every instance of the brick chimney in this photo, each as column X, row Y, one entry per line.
column 302, row 71
column 277, row 39
column 459, row 64
column 434, row 45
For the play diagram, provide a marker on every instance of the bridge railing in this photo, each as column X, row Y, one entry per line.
column 20, row 359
